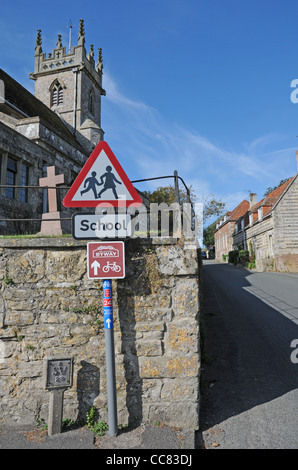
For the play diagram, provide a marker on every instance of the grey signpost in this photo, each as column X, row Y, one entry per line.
column 110, row 356
column 105, row 260
column 58, row 373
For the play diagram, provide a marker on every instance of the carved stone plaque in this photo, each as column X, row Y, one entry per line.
column 58, row 373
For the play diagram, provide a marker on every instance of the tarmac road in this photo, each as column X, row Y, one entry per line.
column 249, row 395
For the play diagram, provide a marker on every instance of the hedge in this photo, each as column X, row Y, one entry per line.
column 239, row 257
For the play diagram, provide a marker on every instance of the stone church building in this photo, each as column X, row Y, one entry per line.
column 57, row 126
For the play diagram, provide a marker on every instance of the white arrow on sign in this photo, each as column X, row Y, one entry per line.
column 95, row 266
column 108, row 321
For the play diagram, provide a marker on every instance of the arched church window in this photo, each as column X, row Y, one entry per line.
column 56, row 94
column 91, row 102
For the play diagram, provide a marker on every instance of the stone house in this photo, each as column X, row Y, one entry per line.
column 57, row 126
column 269, row 229
column 223, row 235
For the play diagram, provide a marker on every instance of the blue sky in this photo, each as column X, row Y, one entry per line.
column 201, row 87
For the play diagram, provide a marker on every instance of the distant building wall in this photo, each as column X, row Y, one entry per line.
column 274, row 238
column 224, row 240
column 285, row 218
column 259, row 240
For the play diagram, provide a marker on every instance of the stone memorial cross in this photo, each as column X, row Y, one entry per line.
column 51, row 227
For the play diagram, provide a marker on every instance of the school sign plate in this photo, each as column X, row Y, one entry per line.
column 97, row 226
column 102, row 181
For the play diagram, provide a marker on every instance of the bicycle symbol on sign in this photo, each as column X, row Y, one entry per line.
column 111, row 267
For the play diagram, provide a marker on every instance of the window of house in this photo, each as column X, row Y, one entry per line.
column 250, row 219
column 24, row 180
column 45, row 191
column 270, row 245
column 11, row 173
column 57, row 94
column 260, row 213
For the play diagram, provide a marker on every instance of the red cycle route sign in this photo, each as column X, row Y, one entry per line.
column 105, row 260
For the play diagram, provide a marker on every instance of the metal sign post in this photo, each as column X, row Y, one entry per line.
column 103, row 180
column 106, row 260
column 110, row 356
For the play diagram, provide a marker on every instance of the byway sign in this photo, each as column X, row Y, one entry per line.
column 102, row 180
column 106, row 260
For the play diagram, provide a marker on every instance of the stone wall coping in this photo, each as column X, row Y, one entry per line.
column 69, row 242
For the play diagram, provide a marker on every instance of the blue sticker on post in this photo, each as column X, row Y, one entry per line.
column 107, row 304
column 107, row 284
column 108, row 321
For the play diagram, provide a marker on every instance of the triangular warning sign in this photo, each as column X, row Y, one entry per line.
column 102, row 180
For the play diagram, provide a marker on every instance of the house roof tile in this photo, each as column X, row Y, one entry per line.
column 233, row 215
column 270, row 199
column 240, row 210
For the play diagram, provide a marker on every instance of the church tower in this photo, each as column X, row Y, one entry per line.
column 70, row 83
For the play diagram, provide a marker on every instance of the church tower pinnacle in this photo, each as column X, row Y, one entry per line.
column 70, row 83
column 81, row 38
column 38, row 49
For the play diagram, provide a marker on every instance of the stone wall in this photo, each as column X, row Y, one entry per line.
column 286, row 230
column 48, row 307
column 35, row 151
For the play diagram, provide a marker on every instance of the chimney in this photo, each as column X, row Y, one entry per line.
column 252, row 199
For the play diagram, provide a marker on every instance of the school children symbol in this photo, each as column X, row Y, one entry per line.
column 102, row 180
column 108, row 179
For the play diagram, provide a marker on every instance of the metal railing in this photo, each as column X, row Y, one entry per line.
column 175, row 176
column 177, row 193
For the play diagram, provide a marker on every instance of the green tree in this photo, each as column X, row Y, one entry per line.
column 167, row 194
column 213, row 207
column 208, row 235
column 270, row 189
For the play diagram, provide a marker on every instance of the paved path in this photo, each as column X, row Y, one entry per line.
column 249, row 383
column 135, row 440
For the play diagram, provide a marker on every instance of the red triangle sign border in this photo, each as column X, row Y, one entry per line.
column 102, row 145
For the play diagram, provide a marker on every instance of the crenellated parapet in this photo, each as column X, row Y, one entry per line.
column 60, row 59
column 69, row 81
